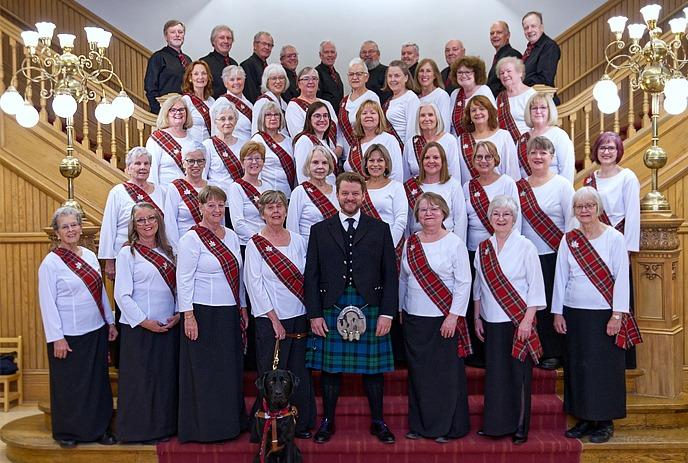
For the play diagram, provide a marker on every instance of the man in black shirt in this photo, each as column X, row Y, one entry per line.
column 221, row 38
column 499, row 38
column 166, row 66
column 377, row 72
column 410, row 54
column 542, row 53
column 256, row 63
column 331, row 87
column 289, row 59
column 453, row 51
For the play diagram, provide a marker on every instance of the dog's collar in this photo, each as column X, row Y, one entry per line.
column 266, row 414
column 271, row 418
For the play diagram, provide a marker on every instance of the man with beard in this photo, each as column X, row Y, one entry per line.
column 370, row 54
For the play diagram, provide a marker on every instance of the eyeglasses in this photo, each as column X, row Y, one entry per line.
column 319, row 117
column 542, row 109
column 282, row 78
column 222, row 119
column 502, row 215
column 309, row 79
column 357, row 74
column 265, row 44
column 177, row 110
column 464, row 73
column 431, row 209
column 271, row 115
column 195, row 162
column 145, row 220
column 483, row 157
column 608, row 148
column 586, row 206
column 290, row 55
column 69, row 226
column 253, row 159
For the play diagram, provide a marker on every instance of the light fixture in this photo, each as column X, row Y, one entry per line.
column 11, row 101
column 27, row 116
column 104, row 112
column 64, row 104
column 123, row 106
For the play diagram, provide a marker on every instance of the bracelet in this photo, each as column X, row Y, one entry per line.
column 189, row 318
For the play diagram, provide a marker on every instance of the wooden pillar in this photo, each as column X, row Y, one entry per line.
column 657, row 280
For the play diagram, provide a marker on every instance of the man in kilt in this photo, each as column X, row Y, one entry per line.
column 351, row 262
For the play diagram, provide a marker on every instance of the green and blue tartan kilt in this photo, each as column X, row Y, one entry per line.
column 369, row 355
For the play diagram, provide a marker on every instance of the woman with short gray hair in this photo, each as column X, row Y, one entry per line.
column 273, row 84
column 357, row 74
column 234, row 78
column 279, row 171
column 296, row 109
column 511, row 102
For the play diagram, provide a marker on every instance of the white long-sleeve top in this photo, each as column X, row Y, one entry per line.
column 517, row 108
column 441, row 99
column 265, row 289
column 303, row 213
column 273, row 175
column 198, row 130
column 258, row 105
column 115, row 227
column 302, row 148
column 67, row 306
column 564, row 159
column 217, row 172
column 504, row 185
column 448, row 258
column 521, row 266
column 390, row 202
column 163, row 168
column 572, row 288
column 296, row 117
column 178, row 218
column 453, row 194
column 508, row 157
column 555, row 198
column 243, row 126
column 200, row 279
column 483, row 90
column 451, row 150
column 246, row 220
column 140, row 291
column 392, row 145
column 352, row 108
column 402, row 112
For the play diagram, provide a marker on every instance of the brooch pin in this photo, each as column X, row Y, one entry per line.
column 465, row 145
column 78, row 265
column 574, row 244
column 309, row 189
column 476, row 194
column 187, row 192
column 212, row 244
column 268, row 248
column 176, row 151
column 412, row 247
column 273, row 146
column 139, row 197
column 414, row 192
column 164, row 265
column 523, row 193
column 256, row 198
column 224, row 155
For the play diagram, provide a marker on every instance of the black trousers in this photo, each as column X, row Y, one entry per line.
column 372, row 384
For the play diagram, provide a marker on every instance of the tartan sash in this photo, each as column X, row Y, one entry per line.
column 203, row 109
column 165, row 266
column 413, row 191
column 88, row 275
column 250, row 191
column 190, row 197
column 331, row 133
column 467, row 148
column 169, row 145
column 344, row 122
column 457, row 112
column 536, row 217
column 321, row 201
column 231, row 162
column 139, row 195
column 356, row 157
column 240, row 106
column 419, row 143
column 480, row 203
column 316, row 141
column 390, row 128
column 591, row 181
column 504, row 117
column 436, row 290
column 265, row 96
column 510, row 301
column 601, row 278
column 285, row 270
column 285, row 159
column 368, row 208
column 522, row 150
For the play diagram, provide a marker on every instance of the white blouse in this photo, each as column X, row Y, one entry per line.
column 296, row 117
column 273, row 175
column 163, row 168
column 448, row 258
column 246, row 220
column 302, row 149
column 621, row 200
column 352, row 108
column 243, row 126
column 564, row 159
column 402, row 112
column 217, row 172
column 572, row 288
column 265, row 289
column 140, row 291
column 200, row 279
column 258, row 105
column 483, row 90
column 198, row 131
column 504, row 185
column 392, row 144
column 392, row 206
column 67, row 306
column 555, row 198
column 517, row 108
column 178, row 218
column 453, row 194
column 508, row 156
column 441, row 99
column 303, row 213
column 114, row 230
column 451, row 150
column 521, row 266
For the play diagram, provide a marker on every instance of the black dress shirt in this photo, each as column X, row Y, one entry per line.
column 164, row 75
column 541, row 65
column 253, row 66
column 330, row 89
column 448, row 85
column 292, row 90
column 492, row 79
column 376, row 80
column 216, row 62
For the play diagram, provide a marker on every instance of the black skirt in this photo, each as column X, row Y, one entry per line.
column 552, row 342
column 477, row 358
column 148, row 384
column 594, row 376
column 507, row 383
column 211, row 401
column 438, row 394
column 80, row 394
column 292, row 357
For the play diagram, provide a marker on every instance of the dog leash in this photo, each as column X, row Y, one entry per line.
column 271, row 421
column 275, row 357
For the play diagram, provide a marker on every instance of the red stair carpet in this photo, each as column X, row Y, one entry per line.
column 352, row 443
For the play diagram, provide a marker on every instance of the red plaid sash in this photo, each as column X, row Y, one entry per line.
column 240, row 106
column 139, row 195
column 368, row 208
column 419, row 143
column 436, row 290
column 203, row 109
column 510, row 301
column 467, row 148
column 457, row 112
column 344, row 122
column 285, row 270
column 506, row 120
column 601, row 278
column 190, row 197
column 166, row 267
column 169, row 145
column 231, row 162
column 229, row 264
column 285, row 159
column 318, row 142
column 591, row 181
column 536, row 217
column 413, row 190
column 356, row 157
column 250, row 191
column 321, row 201
column 88, row 275
column 390, row 128
column 331, row 133
column 480, row 203
column 265, row 96
column 523, row 153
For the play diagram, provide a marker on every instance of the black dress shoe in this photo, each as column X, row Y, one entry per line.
column 551, row 363
column 382, row 432
column 519, row 438
column 325, row 431
column 581, row 429
column 107, row 439
column 413, row 435
column 602, row 434
column 481, row 433
column 442, row 440
column 67, row 443
column 303, row 434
